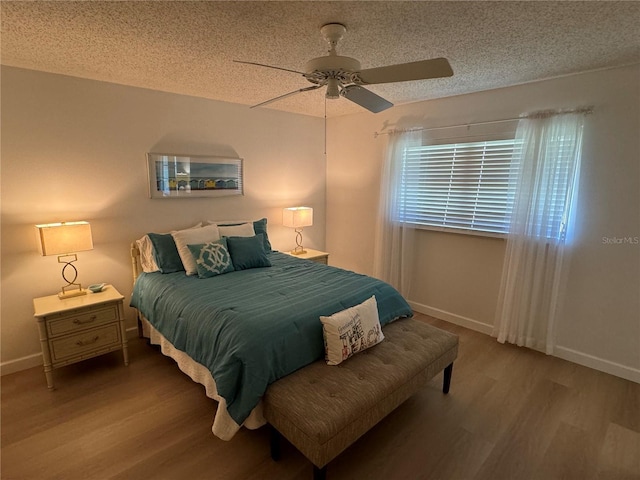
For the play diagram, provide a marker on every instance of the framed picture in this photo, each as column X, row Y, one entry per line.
column 188, row 176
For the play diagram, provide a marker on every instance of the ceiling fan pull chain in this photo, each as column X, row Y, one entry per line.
column 325, row 126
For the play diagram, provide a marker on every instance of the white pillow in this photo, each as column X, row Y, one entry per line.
column 243, row 230
column 147, row 258
column 147, row 262
column 351, row 331
column 193, row 236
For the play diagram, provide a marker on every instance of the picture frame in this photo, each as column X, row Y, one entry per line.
column 191, row 176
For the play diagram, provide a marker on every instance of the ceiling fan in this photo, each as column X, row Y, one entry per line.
column 344, row 77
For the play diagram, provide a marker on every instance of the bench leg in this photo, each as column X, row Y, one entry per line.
column 275, row 444
column 447, row 378
column 319, row 473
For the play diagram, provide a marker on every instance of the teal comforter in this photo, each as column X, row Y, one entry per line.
column 252, row 327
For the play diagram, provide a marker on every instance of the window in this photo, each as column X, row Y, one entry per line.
column 553, row 184
column 461, row 186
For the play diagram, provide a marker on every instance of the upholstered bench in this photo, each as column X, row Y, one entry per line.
column 323, row 409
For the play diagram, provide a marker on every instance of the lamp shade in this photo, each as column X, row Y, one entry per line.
column 297, row 217
column 67, row 237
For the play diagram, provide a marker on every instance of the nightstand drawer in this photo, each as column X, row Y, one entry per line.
column 80, row 320
column 84, row 343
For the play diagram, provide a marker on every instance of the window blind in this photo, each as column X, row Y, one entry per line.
column 553, row 201
column 462, row 185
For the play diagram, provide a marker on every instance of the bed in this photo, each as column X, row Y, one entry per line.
column 237, row 332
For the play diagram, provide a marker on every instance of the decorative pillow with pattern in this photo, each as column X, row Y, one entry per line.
column 351, row 331
column 212, row 258
column 194, row 236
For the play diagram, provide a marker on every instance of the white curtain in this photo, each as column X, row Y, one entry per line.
column 394, row 242
column 545, row 176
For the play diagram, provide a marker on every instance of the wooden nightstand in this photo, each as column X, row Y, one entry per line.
column 77, row 328
column 313, row 255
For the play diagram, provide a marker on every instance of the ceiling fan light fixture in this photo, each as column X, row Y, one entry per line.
column 333, row 88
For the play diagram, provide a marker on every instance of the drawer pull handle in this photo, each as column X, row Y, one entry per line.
column 83, row 343
column 77, row 321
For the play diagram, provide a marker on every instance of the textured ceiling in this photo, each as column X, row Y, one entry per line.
column 189, row 47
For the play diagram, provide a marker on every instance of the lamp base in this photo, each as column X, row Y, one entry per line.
column 299, row 250
column 76, row 292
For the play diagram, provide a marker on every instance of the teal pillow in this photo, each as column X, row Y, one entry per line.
column 260, row 226
column 165, row 253
column 212, row 258
column 248, row 252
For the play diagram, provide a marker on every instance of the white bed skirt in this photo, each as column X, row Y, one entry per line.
column 224, row 426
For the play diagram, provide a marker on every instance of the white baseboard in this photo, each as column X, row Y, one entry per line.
column 19, row 364
column 35, row 360
column 584, row 359
column 606, row 366
column 466, row 322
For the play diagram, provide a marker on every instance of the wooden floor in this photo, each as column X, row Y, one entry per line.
column 511, row 414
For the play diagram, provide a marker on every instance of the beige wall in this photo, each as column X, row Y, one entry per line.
column 74, row 149
column 457, row 276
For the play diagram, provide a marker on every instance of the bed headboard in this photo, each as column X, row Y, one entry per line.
column 136, row 266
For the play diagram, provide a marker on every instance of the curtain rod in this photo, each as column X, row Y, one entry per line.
column 540, row 114
column 426, row 129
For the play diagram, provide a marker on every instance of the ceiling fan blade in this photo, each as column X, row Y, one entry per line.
column 404, row 72
column 365, row 98
column 306, row 89
column 268, row 66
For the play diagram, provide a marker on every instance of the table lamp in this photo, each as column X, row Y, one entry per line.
column 297, row 217
column 64, row 239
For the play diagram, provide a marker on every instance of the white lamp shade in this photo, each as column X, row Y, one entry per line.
column 60, row 238
column 297, row 217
